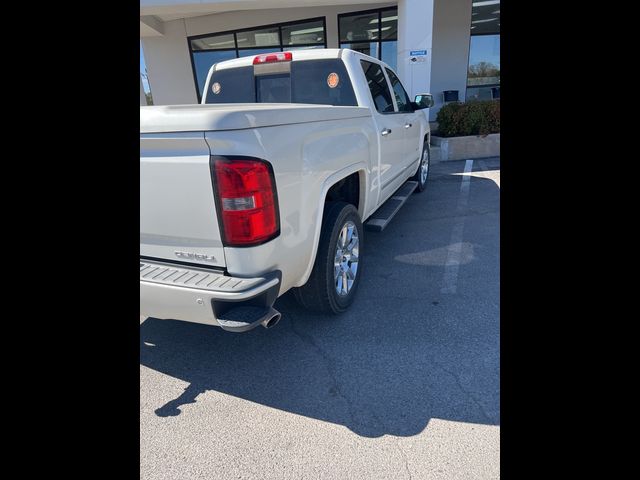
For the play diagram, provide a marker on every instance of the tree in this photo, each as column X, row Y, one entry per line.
column 484, row 69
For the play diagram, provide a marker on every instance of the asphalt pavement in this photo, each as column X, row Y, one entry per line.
column 405, row 385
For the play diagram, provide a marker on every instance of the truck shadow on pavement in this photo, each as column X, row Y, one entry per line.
column 403, row 354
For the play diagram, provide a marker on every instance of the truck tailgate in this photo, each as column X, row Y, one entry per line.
column 178, row 219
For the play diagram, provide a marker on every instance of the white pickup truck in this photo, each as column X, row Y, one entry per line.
column 265, row 186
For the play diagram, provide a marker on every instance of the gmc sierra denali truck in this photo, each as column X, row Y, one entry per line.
column 265, row 186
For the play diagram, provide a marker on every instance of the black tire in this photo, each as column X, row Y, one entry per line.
column 319, row 294
column 422, row 184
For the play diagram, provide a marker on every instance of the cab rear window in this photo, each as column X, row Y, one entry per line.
column 234, row 85
column 321, row 82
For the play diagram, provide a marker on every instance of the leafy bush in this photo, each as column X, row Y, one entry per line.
column 480, row 117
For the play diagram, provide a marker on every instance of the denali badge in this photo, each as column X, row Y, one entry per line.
column 196, row 256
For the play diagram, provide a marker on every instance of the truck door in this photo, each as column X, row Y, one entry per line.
column 411, row 125
column 391, row 131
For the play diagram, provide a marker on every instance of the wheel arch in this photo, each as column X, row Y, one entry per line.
column 335, row 178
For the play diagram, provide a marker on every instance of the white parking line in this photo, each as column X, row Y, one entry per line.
column 484, row 172
column 487, row 173
column 452, row 265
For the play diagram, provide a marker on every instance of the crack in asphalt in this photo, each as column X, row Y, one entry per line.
column 404, row 457
column 328, row 363
column 467, row 393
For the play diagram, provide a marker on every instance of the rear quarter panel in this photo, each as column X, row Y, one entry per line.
column 307, row 159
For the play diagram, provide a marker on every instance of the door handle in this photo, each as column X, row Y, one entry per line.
column 385, row 132
column 407, row 125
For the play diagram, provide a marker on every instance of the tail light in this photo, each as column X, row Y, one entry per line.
column 272, row 57
column 247, row 201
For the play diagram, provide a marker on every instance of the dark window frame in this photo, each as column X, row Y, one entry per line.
column 378, row 40
column 237, row 49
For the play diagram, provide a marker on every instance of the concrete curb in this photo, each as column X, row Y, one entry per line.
column 461, row 148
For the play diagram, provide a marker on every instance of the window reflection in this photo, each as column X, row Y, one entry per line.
column 483, row 72
column 373, row 33
column 370, row 48
column 216, row 42
column 354, row 27
column 484, row 60
column 303, row 33
column 267, row 37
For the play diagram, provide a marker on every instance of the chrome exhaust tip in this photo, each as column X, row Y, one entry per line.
column 271, row 319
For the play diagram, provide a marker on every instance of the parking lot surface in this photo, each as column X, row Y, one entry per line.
column 406, row 384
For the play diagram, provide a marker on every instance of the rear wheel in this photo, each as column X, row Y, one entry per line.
column 332, row 286
column 422, row 174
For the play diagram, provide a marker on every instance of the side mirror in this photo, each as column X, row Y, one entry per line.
column 423, row 100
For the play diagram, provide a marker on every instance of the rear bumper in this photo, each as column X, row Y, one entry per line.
column 199, row 295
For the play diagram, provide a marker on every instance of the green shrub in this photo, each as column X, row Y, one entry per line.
column 480, row 117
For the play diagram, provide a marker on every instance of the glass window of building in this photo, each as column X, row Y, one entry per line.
column 309, row 33
column 214, row 42
column 216, row 47
column 372, row 32
column 483, row 74
column 266, row 37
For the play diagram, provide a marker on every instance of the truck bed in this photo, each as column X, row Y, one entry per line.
column 236, row 116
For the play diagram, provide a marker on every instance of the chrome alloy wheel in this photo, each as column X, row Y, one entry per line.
column 345, row 262
column 424, row 166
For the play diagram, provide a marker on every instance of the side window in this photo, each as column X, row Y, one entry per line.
column 402, row 99
column 378, row 86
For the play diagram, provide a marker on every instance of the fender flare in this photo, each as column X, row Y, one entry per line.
column 330, row 181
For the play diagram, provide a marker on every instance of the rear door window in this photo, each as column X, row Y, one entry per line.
column 402, row 99
column 378, row 86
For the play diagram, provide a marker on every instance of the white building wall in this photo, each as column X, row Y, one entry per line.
column 167, row 57
column 451, row 36
column 415, row 19
column 169, row 66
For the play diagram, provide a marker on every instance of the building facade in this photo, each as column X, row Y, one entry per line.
column 450, row 48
